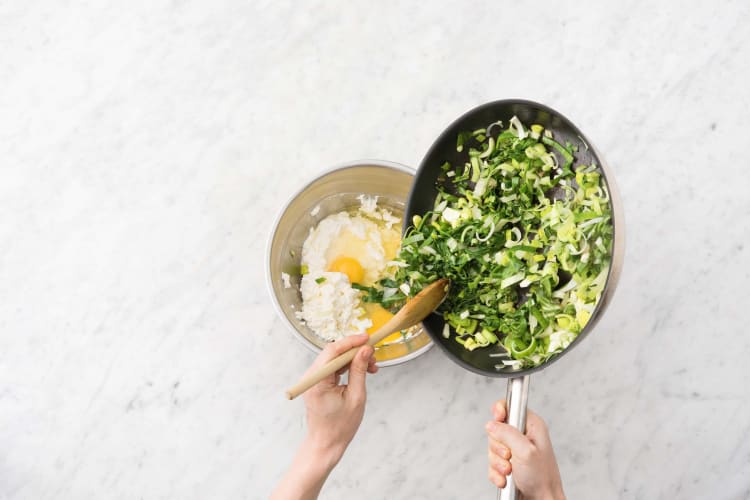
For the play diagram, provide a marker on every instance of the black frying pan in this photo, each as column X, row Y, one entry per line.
column 488, row 361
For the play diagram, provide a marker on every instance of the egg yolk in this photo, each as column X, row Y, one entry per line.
column 350, row 267
column 379, row 317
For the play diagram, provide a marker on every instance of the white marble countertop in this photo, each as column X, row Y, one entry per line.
column 145, row 149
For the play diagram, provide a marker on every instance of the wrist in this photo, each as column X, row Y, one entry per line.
column 311, row 466
column 552, row 493
column 323, row 453
column 557, row 492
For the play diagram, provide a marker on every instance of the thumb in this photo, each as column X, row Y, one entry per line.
column 510, row 437
column 498, row 411
column 358, row 372
column 536, row 430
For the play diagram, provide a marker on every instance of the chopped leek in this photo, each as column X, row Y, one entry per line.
column 523, row 232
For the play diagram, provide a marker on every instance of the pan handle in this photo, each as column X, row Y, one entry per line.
column 516, row 399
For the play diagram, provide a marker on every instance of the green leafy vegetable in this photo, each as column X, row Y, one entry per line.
column 387, row 293
column 524, row 235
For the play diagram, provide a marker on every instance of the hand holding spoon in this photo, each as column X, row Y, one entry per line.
column 414, row 311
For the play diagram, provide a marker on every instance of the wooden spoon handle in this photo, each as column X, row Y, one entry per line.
column 322, row 372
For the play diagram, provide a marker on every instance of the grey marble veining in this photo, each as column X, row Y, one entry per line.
column 145, row 148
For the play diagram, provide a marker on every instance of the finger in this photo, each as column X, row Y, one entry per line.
column 499, row 449
column 498, row 411
column 357, row 373
column 339, row 347
column 500, row 465
column 372, row 367
column 496, row 478
column 510, row 437
column 335, row 379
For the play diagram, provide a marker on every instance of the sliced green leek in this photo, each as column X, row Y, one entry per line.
column 524, row 234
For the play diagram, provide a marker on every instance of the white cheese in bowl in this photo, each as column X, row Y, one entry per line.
column 347, row 247
column 331, row 308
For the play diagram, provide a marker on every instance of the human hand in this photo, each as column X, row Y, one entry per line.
column 529, row 456
column 335, row 411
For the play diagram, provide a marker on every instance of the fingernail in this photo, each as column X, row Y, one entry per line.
column 491, row 426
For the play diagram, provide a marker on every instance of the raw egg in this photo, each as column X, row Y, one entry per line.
column 349, row 266
column 379, row 317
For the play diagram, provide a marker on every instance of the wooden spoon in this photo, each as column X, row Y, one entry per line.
column 412, row 313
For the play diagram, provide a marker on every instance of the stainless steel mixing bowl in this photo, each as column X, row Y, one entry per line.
column 331, row 192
